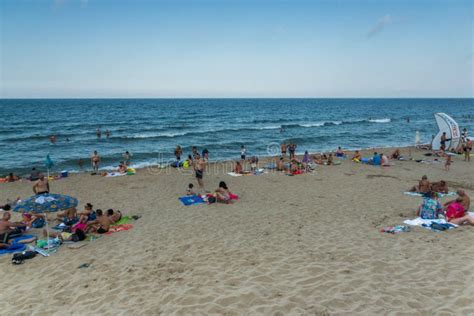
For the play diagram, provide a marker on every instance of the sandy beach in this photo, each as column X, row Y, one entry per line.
column 307, row 245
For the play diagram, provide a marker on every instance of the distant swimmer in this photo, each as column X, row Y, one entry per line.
column 107, row 133
column 52, row 139
column 98, row 133
column 408, row 119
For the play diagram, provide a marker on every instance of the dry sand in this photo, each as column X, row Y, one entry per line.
column 307, row 244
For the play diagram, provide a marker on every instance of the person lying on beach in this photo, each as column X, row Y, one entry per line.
column 375, row 160
column 457, row 210
column 12, row 178
column 114, row 216
column 440, row 187
column 190, row 189
column 430, row 208
column 9, row 229
column 78, row 229
column 396, row 154
column 223, row 193
column 357, row 156
column 280, row 166
column 101, row 225
column 238, row 167
column 41, row 186
column 340, row 153
column 318, row 159
column 423, row 186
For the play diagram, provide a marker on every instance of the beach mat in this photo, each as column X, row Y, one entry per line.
column 233, row 174
column 191, row 200
column 23, row 238
column 426, row 223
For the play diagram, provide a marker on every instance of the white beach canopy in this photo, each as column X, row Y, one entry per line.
column 447, row 125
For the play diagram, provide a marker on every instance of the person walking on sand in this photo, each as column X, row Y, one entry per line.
column 95, row 160
column 199, row 168
column 467, row 149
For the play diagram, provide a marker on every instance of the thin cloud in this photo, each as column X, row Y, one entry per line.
column 59, row 3
column 380, row 25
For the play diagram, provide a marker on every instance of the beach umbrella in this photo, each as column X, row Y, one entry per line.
column 43, row 203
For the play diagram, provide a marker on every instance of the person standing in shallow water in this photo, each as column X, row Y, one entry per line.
column 107, row 133
column 98, row 133
column 95, row 160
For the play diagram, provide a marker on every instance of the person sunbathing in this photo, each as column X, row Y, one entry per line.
column 88, row 211
column 430, row 208
column 12, row 178
column 238, row 168
column 384, row 160
column 457, row 211
column 423, row 186
column 223, row 194
column 440, row 187
column 78, row 229
column 318, row 159
column 122, row 168
column 340, row 153
column 330, row 161
column 101, row 225
column 396, row 154
column 114, row 216
column 68, row 215
column 357, row 156
column 9, row 229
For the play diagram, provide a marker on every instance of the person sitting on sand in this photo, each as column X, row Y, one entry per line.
column 430, row 208
column 238, row 168
column 12, row 178
column 330, row 161
column 122, row 168
column 375, row 160
column 384, row 160
column 190, row 189
column 114, row 216
column 317, row 159
column 440, row 187
column 340, row 153
column 101, row 225
column 357, row 156
column 396, row 154
column 9, row 229
column 457, row 210
column 423, row 186
column 223, row 194
column 41, row 186
column 68, row 217
column 88, row 211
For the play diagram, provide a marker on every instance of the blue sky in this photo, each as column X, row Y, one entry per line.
column 230, row 48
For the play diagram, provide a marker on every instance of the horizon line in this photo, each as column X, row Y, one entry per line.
column 219, row 98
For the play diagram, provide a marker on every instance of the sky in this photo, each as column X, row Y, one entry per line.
column 236, row 48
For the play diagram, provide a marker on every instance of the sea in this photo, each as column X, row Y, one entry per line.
column 150, row 129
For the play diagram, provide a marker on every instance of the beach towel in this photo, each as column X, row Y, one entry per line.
column 12, row 249
column 191, row 200
column 123, row 220
column 233, row 174
column 119, row 228
column 427, row 223
column 114, row 174
column 422, row 195
column 24, row 238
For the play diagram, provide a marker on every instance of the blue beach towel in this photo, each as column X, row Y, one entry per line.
column 191, row 200
column 22, row 237
column 12, row 249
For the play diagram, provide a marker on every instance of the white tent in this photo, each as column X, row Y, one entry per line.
column 447, row 125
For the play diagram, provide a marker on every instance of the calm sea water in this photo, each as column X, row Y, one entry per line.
column 151, row 128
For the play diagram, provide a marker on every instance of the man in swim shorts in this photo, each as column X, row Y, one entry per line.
column 283, row 149
column 95, row 159
column 8, row 229
column 101, row 225
column 199, row 167
column 41, row 186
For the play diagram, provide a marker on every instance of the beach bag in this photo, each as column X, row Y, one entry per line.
column 38, row 223
column 18, row 258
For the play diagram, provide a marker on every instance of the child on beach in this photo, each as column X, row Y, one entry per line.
column 448, row 162
column 243, row 152
column 190, row 189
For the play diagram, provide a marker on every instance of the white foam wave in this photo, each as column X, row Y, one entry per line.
column 383, row 120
